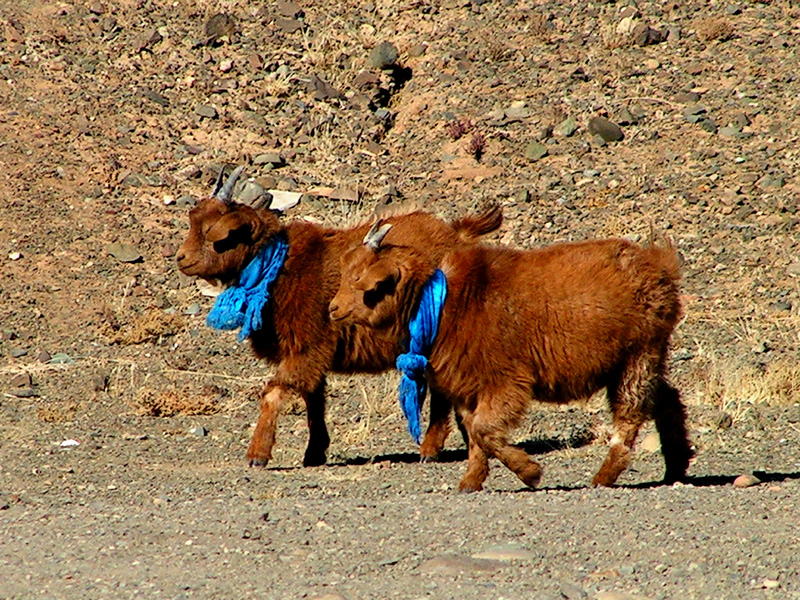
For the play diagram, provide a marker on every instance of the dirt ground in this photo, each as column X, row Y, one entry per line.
column 124, row 420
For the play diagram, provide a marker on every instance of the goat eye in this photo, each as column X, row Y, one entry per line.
column 375, row 295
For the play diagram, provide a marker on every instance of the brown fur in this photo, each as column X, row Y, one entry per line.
column 298, row 335
column 555, row 324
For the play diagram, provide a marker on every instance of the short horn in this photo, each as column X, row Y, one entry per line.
column 376, row 234
column 225, row 192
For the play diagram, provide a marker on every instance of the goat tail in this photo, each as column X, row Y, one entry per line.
column 475, row 225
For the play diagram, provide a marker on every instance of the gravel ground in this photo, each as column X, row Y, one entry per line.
column 114, row 118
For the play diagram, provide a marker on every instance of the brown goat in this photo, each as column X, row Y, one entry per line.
column 555, row 325
column 297, row 333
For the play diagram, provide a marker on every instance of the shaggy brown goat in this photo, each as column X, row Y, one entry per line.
column 297, row 333
column 555, row 325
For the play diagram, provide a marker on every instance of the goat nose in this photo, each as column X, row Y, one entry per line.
column 333, row 308
column 180, row 256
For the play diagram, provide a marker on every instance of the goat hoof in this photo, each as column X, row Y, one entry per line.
column 314, row 460
column 259, row 462
column 429, row 458
column 469, row 488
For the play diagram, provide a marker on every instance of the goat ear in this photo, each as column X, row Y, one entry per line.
column 376, row 234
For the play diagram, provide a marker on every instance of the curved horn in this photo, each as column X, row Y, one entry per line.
column 224, row 193
column 376, row 234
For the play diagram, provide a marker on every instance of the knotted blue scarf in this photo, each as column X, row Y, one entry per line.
column 422, row 330
column 241, row 304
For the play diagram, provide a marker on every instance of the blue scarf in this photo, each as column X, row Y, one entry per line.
column 241, row 304
column 422, row 330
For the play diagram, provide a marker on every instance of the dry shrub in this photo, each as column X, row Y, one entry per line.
column 172, row 402
column 734, row 389
column 59, row 413
column 712, row 29
column 147, row 327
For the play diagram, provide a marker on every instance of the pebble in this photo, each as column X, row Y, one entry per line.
column 687, row 97
column 25, row 392
column 566, row 128
column 644, row 35
column 598, row 140
column 44, row 356
column 651, row 442
column 193, row 309
column 570, row 591
column 21, row 380
column 344, row 193
column 100, row 383
column 745, row 481
column 694, row 110
column 289, row 9
column 18, row 352
column 207, row 111
column 708, row 125
column 383, row 56
column 220, row 25
column 15, row 255
column 61, row 358
column 126, row 253
column 535, row 151
column 289, row 25
column 268, row 158
column 199, row 431
column 283, row 200
column 456, row 565
column 724, row 420
column 186, row 202
column 652, row 64
column 609, row 131
column 226, row 65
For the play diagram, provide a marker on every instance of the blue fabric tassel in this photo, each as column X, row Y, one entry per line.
column 422, row 330
column 241, row 304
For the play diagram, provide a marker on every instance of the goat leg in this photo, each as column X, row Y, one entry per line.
column 260, row 451
column 438, row 430
column 670, row 417
column 477, row 463
column 318, row 438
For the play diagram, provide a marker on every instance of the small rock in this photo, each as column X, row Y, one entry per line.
column 535, row 151
column 199, row 431
column 15, row 255
column 383, row 56
column 724, row 420
column 193, row 309
column 571, row 591
column 25, row 392
column 289, row 25
column 100, row 383
column 691, row 111
column 708, row 125
column 770, row 584
column 651, row 442
column 17, row 352
column 270, row 158
column 746, row 480
column 566, row 128
column 609, row 131
column 283, row 200
column 522, row 196
column 652, row 64
column 61, row 358
column 505, row 552
column 598, row 140
column 186, row 202
column 69, row 444
column 289, row 9
column 644, row 35
column 44, row 356
column 126, row 253
column 207, row 111
column 21, row 380
column 456, row 565
column 344, row 193
column 226, row 65
column 781, row 305
column 687, row 97
column 220, row 25
column 323, row 90
column 250, row 192
column 418, row 50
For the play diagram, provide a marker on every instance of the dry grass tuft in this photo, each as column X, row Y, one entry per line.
column 174, row 401
column 735, row 390
column 713, row 28
column 58, row 413
column 147, row 327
